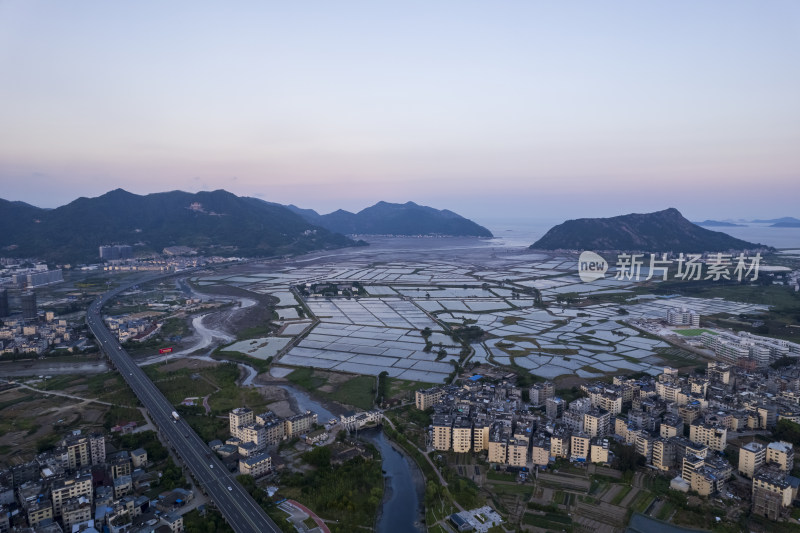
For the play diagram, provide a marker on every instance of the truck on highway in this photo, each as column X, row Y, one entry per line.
column 176, row 416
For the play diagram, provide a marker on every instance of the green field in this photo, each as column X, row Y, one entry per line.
column 358, row 391
column 693, row 332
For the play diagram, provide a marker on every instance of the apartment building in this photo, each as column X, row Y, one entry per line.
column 713, row 436
column 239, row 417
column 462, row 435
column 751, row 457
column 480, row 434
column 299, row 424
column 540, row 450
column 64, row 489
column 498, row 444
column 426, row 398
column 597, row 423
column 772, row 493
column 579, row 446
column 540, row 392
column 598, row 450
column 781, row 454
column 517, row 451
column 442, row 432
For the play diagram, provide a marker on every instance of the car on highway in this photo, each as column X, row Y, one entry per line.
column 230, row 488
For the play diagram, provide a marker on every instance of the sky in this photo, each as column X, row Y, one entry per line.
column 503, row 109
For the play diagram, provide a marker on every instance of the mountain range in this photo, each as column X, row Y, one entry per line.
column 405, row 219
column 662, row 231
column 214, row 222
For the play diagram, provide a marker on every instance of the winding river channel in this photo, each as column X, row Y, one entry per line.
column 401, row 509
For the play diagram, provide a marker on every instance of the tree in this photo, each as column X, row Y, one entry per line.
column 319, row 457
column 788, row 431
column 382, row 386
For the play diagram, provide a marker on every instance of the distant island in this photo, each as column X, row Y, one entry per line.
column 211, row 222
column 783, row 222
column 385, row 218
column 718, row 223
column 662, row 231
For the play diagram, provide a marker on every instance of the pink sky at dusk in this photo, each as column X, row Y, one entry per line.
column 506, row 108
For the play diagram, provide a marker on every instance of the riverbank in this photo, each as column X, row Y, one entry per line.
column 402, row 507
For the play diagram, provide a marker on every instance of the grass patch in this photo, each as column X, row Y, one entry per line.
column 526, row 491
column 358, row 391
column 621, row 494
column 550, row 521
column 404, row 390
column 261, row 365
column 110, row 387
column 185, row 383
column 306, row 378
column 665, row 511
column 499, row 476
column 678, row 357
column 255, row 332
column 121, row 415
column 642, row 501
column 693, row 332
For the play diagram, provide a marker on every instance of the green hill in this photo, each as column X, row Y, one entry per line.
column 662, row 231
column 215, row 222
column 386, row 218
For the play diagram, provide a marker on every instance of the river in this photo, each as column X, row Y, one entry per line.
column 401, row 509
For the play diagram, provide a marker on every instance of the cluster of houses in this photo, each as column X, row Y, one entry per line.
column 134, row 329
column 39, row 335
column 483, row 417
column 76, row 487
column 251, row 434
column 680, row 424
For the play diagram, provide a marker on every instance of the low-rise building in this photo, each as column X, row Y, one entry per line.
column 139, row 458
column 256, row 466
